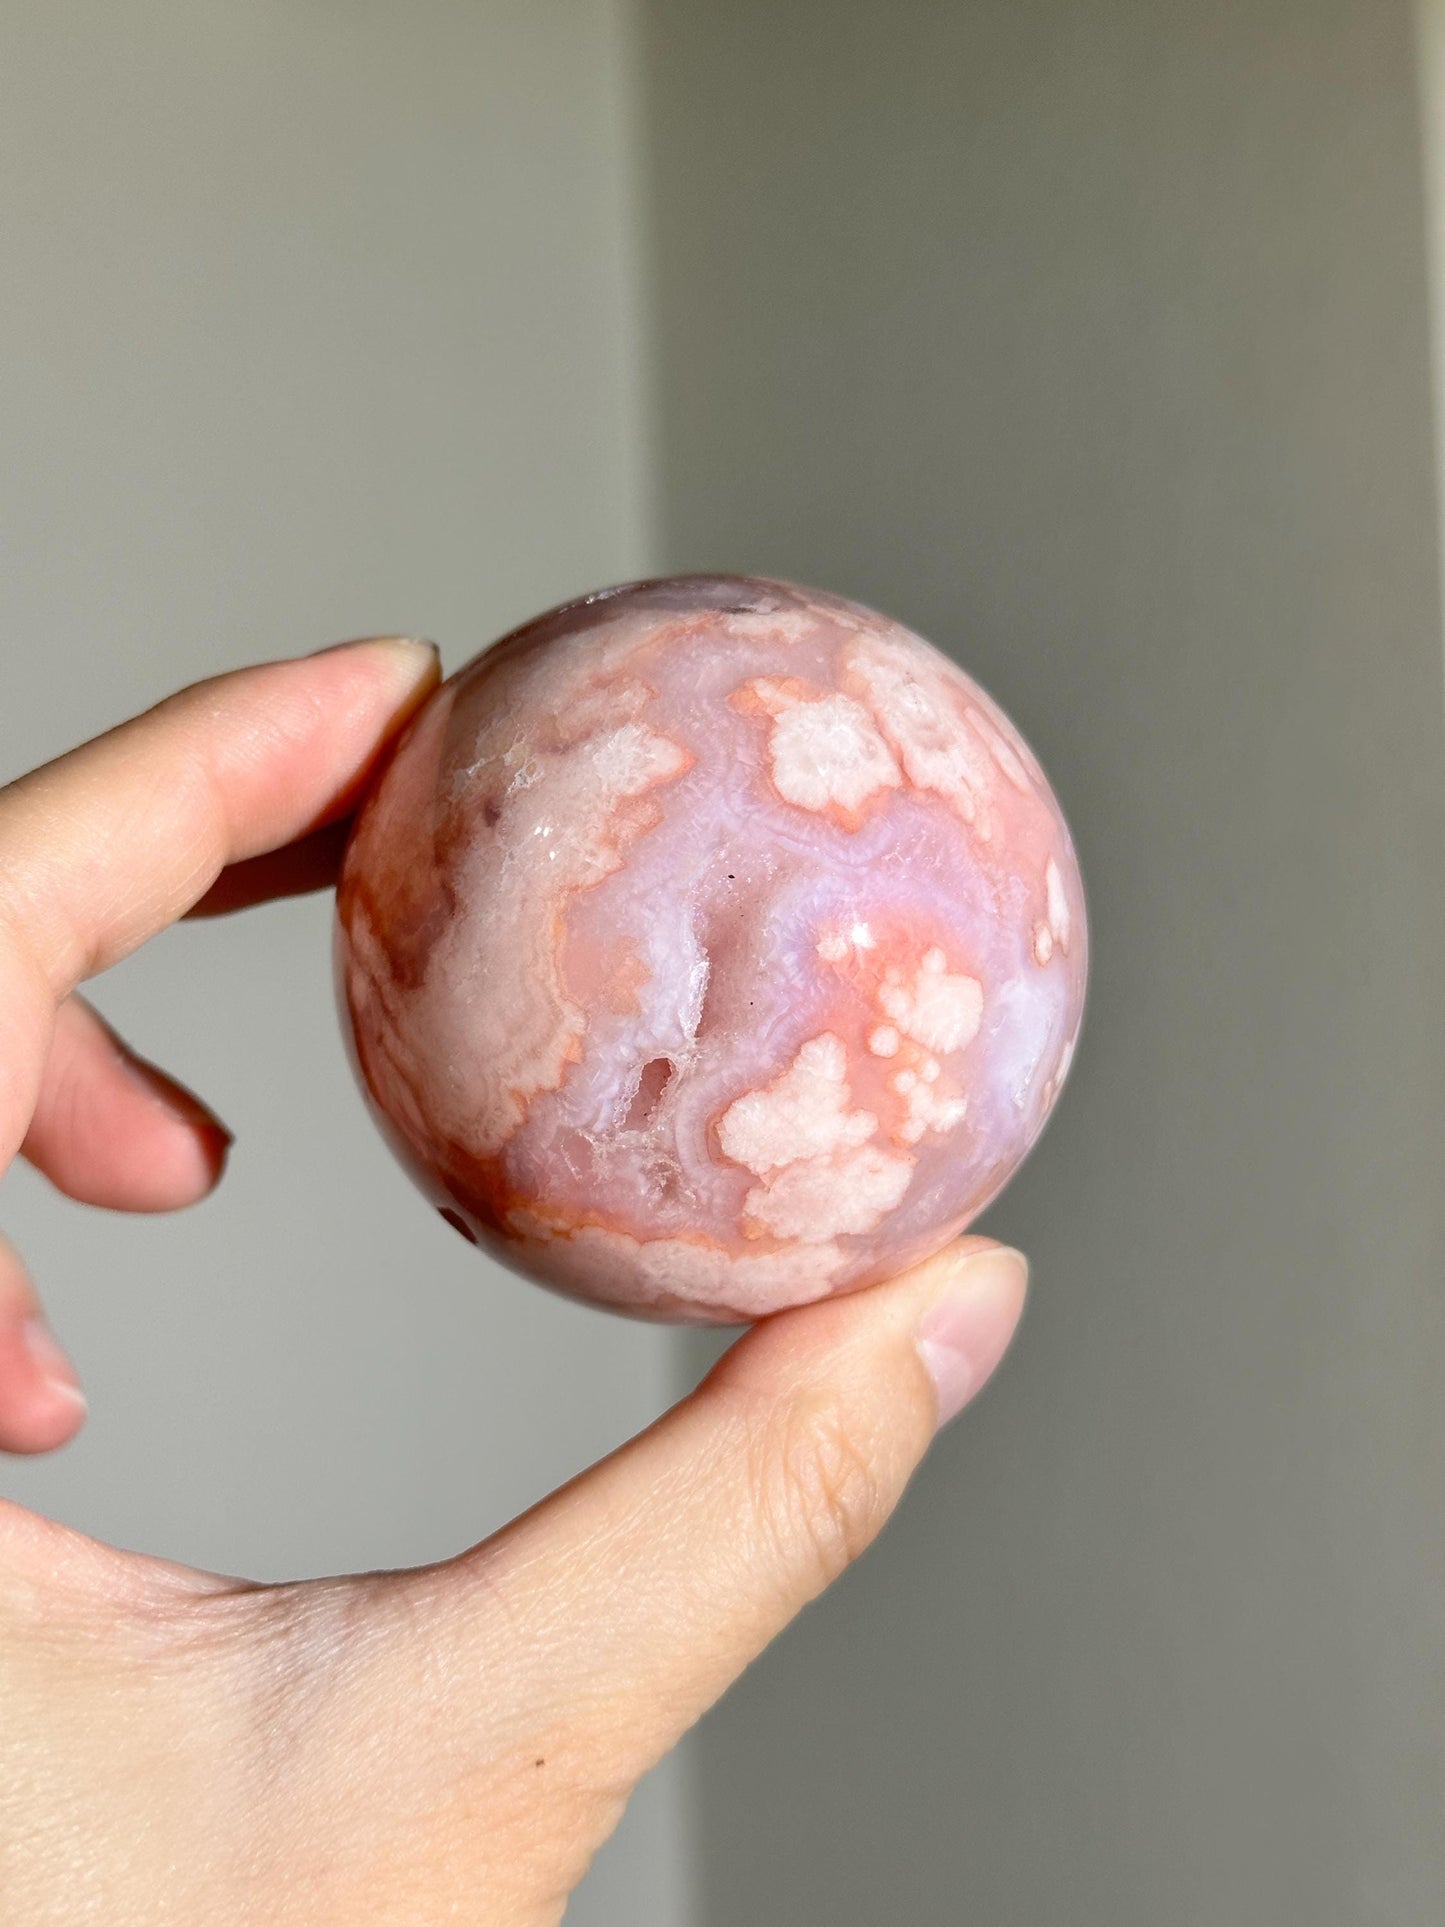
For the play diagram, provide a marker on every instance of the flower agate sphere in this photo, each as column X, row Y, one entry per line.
column 710, row 945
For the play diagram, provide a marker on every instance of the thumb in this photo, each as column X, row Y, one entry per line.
column 644, row 1588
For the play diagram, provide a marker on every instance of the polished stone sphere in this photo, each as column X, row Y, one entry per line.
column 710, row 945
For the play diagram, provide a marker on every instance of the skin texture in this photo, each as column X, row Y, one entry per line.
column 711, row 945
column 450, row 1743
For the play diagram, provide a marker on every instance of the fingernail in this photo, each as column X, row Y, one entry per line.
column 415, row 646
column 175, row 1100
column 966, row 1331
column 55, row 1367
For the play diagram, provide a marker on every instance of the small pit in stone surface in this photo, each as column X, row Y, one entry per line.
column 650, row 1087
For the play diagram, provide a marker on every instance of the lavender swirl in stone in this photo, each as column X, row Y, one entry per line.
column 711, row 945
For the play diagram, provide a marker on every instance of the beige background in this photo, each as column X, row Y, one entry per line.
column 1093, row 339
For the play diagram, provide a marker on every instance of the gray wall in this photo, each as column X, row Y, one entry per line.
column 1091, row 339
column 317, row 321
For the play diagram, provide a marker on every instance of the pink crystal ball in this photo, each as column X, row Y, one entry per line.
column 710, row 945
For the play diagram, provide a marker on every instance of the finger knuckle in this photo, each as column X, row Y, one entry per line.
column 816, row 1487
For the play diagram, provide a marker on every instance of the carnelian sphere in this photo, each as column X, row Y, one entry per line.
column 710, row 945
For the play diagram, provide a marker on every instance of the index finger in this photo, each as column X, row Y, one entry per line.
column 113, row 841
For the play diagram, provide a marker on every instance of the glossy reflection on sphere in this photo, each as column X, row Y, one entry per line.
column 711, row 945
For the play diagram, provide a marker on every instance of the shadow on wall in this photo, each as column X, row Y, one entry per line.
column 1043, row 328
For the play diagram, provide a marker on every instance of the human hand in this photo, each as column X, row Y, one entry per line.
column 452, row 1742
